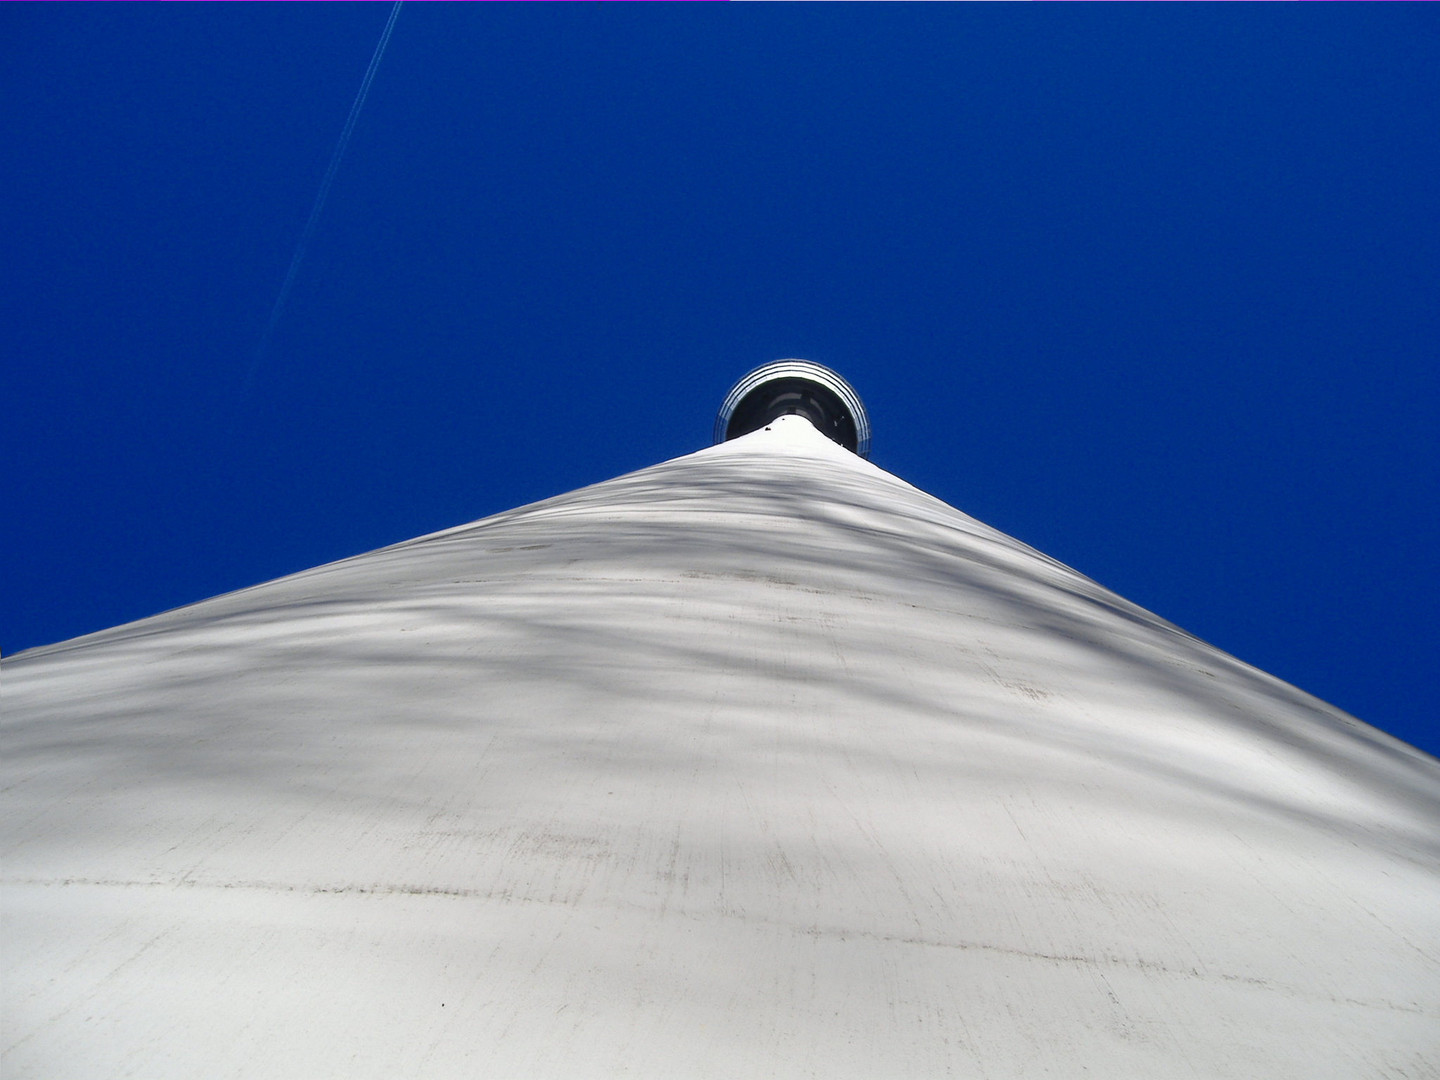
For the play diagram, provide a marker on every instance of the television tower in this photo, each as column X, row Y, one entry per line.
column 757, row 762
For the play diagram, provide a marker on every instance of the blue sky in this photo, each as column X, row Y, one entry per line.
column 1152, row 288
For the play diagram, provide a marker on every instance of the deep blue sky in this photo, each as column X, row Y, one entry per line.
column 1155, row 289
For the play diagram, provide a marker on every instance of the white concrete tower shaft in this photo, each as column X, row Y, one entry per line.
column 759, row 762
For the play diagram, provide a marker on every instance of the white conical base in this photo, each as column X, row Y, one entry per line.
column 759, row 762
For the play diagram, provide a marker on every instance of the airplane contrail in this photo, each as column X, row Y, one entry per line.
column 315, row 211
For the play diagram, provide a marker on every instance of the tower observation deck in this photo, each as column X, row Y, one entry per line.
column 796, row 388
